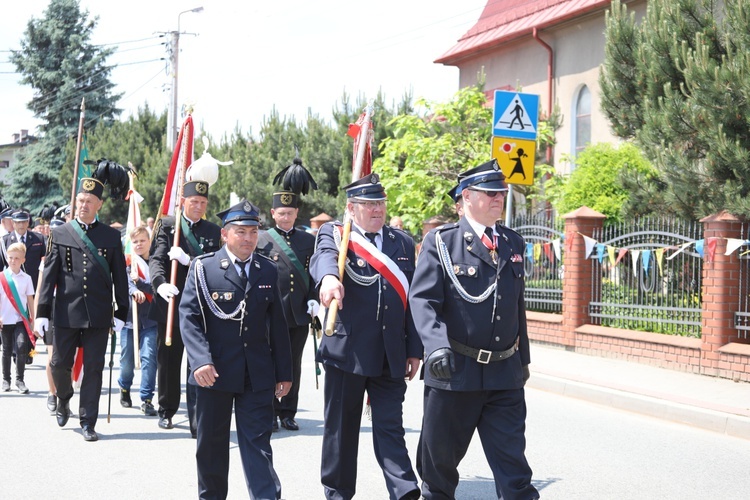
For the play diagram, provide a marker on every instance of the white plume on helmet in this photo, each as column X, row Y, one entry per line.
column 205, row 168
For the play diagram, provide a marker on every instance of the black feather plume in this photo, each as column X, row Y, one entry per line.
column 295, row 178
column 114, row 175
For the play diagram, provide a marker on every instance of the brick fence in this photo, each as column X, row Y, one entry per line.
column 720, row 352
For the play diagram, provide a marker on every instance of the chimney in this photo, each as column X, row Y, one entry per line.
column 15, row 138
column 24, row 134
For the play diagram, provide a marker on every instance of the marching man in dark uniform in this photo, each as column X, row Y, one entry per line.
column 371, row 349
column 84, row 261
column 35, row 249
column 468, row 307
column 197, row 237
column 233, row 327
column 291, row 250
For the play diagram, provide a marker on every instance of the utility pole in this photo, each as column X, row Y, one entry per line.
column 172, row 119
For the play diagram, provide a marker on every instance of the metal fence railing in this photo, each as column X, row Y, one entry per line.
column 542, row 261
column 742, row 314
column 647, row 276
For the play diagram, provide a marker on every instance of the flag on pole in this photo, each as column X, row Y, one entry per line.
column 172, row 190
column 354, row 132
column 134, row 217
column 84, row 167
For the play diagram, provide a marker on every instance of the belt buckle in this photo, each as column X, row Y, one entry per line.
column 484, row 356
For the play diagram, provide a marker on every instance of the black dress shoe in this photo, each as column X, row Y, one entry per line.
column 62, row 412
column 289, row 424
column 89, row 434
column 51, row 402
column 165, row 423
column 412, row 495
column 125, row 400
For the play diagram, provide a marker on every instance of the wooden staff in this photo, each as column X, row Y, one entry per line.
column 78, row 159
column 333, row 307
column 182, row 163
column 134, row 277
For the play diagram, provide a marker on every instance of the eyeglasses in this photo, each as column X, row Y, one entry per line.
column 490, row 194
column 370, row 205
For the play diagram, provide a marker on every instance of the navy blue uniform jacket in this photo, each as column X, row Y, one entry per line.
column 439, row 312
column 365, row 335
column 261, row 348
column 35, row 250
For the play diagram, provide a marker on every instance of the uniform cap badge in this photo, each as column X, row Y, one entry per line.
column 247, row 207
column 286, row 199
column 201, row 188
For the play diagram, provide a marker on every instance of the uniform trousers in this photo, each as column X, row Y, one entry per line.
column 253, row 414
column 450, row 418
column 168, row 375
column 344, row 397
column 287, row 407
column 94, row 344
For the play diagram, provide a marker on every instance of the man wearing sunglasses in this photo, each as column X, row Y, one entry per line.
column 468, row 307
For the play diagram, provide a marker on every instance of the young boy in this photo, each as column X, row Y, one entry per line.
column 141, row 292
column 16, row 315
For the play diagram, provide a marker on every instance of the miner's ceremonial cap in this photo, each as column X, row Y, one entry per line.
column 195, row 188
column 93, row 186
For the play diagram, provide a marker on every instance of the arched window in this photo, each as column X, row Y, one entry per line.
column 582, row 131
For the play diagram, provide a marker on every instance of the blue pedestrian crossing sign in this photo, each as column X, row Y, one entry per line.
column 515, row 115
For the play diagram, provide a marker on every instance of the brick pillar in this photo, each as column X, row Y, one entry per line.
column 721, row 289
column 577, row 278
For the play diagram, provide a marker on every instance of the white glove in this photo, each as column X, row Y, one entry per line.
column 118, row 325
column 178, row 254
column 41, row 325
column 313, row 307
column 167, row 290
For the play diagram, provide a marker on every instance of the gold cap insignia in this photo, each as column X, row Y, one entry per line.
column 286, row 199
column 201, row 188
column 88, row 185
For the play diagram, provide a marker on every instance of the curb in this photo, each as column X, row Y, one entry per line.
column 711, row 420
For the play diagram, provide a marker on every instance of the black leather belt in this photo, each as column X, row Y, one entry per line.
column 481, row 355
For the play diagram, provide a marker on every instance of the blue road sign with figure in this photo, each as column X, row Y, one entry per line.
column 515, row 115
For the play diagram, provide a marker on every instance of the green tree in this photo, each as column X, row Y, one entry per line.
column 596, row 181
column 420, row 162
column 58, row 61
column 677, row 84
column 139, row 140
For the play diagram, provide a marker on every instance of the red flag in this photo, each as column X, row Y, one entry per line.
column 172, row 190
column 547, row 247
column 354, row 131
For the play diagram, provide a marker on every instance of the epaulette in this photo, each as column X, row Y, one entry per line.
column 446, row 227
column 506, row 228
column 264, row 257
column 203, row 256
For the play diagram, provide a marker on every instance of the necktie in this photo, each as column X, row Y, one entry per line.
column 489, row 240
column 23, row 239
column 371, row 237
column 243, row 273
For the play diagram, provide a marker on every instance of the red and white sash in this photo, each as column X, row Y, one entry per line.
column 382, row 263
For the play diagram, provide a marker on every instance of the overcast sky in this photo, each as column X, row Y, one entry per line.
column 248, row 56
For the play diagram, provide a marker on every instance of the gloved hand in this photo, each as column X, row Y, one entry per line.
column 41, row 325
column 313, row 307
column 118, row 325
column 441, row 363
column 167, row 290
column 178, row 254
column 526, row 374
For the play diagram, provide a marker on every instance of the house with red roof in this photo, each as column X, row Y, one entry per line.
column 553, row 48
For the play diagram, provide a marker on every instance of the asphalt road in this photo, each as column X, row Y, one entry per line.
column 578, row 450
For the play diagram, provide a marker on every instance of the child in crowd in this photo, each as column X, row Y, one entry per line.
column 16, row 315
column 141, row 292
